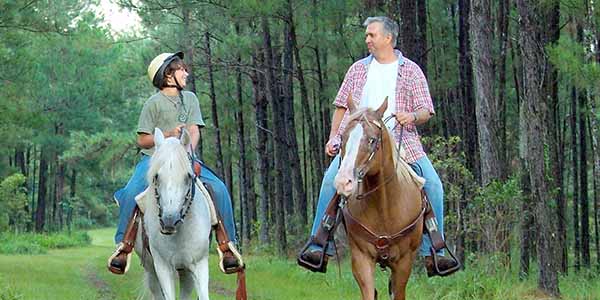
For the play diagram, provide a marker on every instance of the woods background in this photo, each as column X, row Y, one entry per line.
column 515, row 85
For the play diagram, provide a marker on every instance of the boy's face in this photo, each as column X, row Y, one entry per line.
column 181, row 75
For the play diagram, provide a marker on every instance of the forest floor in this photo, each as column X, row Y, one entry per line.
column 80, row 273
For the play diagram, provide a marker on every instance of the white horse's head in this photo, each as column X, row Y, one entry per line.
column 171, row 176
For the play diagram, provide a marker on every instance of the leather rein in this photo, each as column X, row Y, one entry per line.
column 189, row 196
column 381, row 243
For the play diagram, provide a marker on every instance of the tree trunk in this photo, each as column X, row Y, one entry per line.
column 502, row 33
column 555, row 143
column 583, row 185
column 40, row 213
column 531, row 38
column 279, row 141
column 189, row 49
column 260, row 104
column 469, row 129
column 421, row 36
column 487, row 107
column 575, row 164
column 295, row 166
column 214, row 109
column 247, row 210
column 407, row 38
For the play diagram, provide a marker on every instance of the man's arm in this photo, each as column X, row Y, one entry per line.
column 418, row 117
column 338, row 116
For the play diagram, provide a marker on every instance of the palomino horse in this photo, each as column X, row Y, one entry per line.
column 175, row 247
column 384, row 209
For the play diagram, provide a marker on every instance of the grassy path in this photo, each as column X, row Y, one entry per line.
column 80, row 273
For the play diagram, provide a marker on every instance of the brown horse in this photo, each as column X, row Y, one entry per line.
column 383, row 211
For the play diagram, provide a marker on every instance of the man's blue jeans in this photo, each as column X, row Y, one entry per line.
column 433, row 190
column 137, row 184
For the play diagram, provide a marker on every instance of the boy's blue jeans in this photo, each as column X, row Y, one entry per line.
column 433, row 189
column 137, row 184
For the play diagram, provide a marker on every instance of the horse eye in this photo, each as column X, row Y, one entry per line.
column 371, row 141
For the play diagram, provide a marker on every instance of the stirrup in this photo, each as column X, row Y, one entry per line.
column 321, row 266
column 436, row 268
column 120, row 249
column 236, row 254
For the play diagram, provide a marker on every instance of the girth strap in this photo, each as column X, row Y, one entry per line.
column 382, row 243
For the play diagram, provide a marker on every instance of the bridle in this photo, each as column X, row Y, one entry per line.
column 381, row 243
column 374, row 143
column 189, row 196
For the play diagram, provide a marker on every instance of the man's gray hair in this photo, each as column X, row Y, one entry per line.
column 389, row 26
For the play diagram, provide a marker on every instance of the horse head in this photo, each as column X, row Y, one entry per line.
column 172, row 179
column 361, row 142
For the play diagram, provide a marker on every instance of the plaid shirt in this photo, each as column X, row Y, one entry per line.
column 412, row 94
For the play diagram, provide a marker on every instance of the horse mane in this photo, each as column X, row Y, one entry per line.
column 171, row 151
column 403, row 169
column 360, row 112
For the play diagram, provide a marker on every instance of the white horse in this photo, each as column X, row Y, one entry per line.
column 176, row 247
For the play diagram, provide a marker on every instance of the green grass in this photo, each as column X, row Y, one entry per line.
column 80, row 273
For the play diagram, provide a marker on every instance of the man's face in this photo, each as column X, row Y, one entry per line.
column 375, row 38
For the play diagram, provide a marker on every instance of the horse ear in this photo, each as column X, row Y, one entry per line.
column 351, row 105
column 186, row 139
column 159, row 137
column 381, row 110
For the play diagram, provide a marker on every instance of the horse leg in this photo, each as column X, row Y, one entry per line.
column 186, row 284
column 363, row 269
column 165, row 275
column 200, row 275
column 399, row 278
column 152, row 284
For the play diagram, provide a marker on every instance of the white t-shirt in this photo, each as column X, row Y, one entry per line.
column 381, row 83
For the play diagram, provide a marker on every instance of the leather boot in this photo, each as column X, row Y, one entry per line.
column 445, row 265
column 230, row 258
column 313, row 255
column 118, row 263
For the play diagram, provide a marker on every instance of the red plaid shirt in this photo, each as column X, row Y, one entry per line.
column 412, row 94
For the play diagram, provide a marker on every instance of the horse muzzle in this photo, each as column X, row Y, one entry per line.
column 344, row 185
column 168, row 224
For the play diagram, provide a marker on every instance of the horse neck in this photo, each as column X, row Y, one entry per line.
column 390, row 205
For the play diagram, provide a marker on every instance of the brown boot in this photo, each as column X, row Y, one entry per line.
column 445, row 266
column 230, row 258
column 118, row 262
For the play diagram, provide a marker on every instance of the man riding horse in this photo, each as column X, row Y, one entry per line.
column 386, row 73
column 171, row 109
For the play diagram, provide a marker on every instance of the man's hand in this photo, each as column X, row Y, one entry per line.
column 175, row 132
column 405, row 118
column 332, row 147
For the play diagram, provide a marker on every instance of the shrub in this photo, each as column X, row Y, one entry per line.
column 30, row 243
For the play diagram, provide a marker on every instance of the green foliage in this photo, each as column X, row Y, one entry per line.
column 30, row 243
column 13, row 200
column 8, row 292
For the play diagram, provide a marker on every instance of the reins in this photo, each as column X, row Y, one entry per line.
column 189, row 196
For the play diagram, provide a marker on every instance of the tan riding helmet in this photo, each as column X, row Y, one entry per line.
column 156, row 69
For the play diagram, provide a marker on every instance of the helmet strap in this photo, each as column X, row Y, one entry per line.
column 179, row 87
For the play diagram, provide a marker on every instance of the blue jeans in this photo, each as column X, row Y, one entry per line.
column 137, row 184
column 433, row 190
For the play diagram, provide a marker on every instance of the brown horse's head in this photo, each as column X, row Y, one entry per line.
column 361, row 142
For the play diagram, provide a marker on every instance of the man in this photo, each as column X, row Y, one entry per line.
column 384, row 73
column 170, row 109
